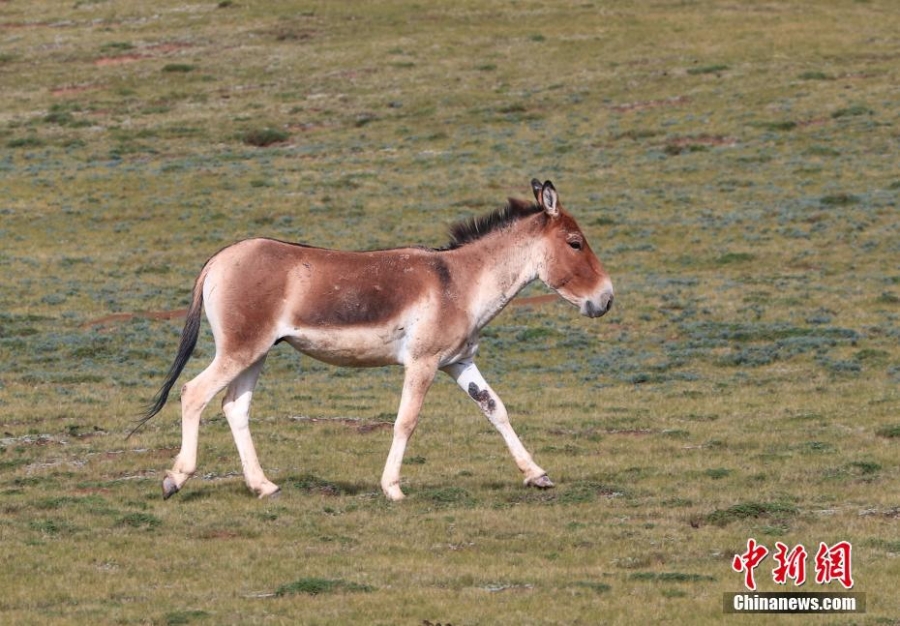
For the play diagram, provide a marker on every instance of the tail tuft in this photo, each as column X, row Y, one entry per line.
column 189, row 335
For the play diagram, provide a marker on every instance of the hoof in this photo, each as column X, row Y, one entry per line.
column 169, row 487
column 393, row 493
column 270, row 491
column 541, row 482
column 395, row 497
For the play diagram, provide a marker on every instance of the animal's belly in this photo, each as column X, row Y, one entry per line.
column 350, row 346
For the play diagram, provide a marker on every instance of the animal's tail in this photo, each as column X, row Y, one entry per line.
column 189, row 335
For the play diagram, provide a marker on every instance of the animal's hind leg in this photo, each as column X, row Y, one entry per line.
column 467, row 376
column 195, row 395
column 417, row 379
column 236, row 406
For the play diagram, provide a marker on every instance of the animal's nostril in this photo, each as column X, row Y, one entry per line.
column 598, row 308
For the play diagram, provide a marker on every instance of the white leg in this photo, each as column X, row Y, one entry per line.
column 416, row 383
column 236, row 407
column 195, row 395
column 472, row 382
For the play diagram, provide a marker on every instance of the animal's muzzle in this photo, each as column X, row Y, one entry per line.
column 601, row 307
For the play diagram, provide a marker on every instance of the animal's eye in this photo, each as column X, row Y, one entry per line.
column 575, row 244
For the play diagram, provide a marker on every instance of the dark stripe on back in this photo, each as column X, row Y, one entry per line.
column 443, row 272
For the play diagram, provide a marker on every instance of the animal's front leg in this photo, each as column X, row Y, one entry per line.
column 416, row 383
column 467, row 376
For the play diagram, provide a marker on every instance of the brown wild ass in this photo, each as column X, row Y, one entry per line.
column 415, row 307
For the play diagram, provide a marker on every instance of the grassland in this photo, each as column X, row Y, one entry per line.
column 735, row 165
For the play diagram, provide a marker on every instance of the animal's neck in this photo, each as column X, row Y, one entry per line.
column 501, row 267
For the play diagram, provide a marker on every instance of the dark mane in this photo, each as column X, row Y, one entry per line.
column 475, row 228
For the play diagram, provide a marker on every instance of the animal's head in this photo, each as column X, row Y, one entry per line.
column 570, row 267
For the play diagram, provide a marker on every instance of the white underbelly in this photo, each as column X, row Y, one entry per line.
column 352, row 346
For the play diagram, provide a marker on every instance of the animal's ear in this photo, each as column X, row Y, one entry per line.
column 546, row 197
column 536, row 187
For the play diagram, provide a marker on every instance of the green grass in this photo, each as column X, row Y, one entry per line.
column 316, row 586
column 734, row 166
column 263, row 137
